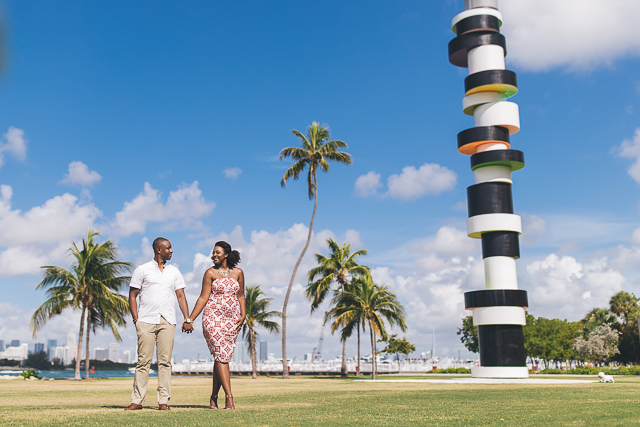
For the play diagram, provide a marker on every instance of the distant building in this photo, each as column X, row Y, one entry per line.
column 100, row 353
column 114, row 351
column 61, row 353
column 263, row 351
column 16, row 353
column 15, row 343
column 126, row 356
column 1, row 345
column 38, row 347
column 51, row 344
column 238, row 353
column 71, row 340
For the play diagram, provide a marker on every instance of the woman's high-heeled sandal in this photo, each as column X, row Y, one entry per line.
column 228, row 402
column 213, row 402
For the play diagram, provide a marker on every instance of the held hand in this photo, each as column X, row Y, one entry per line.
column 187, row 327
column 239, row 324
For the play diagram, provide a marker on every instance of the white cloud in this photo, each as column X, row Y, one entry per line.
column 182, row 210
column 79, row 174
column 58, row 219
column 431, row 289
column 33, row 238
column 451, row 241
column 16, row 145
column 533, row 227
column 146, row 252
column 572, row 34
column 232, row 173
column 630, row 149
column 353, row 238
column 564, row 287
column 428, row 179
column 368, row 184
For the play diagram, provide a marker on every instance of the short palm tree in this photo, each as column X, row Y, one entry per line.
column 105, row 310
column 317, row 149
column 339, row 267
column 257, row 315
column 89, row 287
column 368, row 304
column 596, row 317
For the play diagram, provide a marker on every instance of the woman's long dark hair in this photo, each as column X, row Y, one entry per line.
column 233, row 257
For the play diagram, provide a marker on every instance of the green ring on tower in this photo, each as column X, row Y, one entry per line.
column 512, row 158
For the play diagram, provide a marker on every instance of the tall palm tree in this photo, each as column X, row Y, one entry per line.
column 95, row 274
column 368, row 304
column 317, row 149
column 339, row 267
column 257, row 315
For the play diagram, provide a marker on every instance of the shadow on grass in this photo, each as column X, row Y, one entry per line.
column 155, row 408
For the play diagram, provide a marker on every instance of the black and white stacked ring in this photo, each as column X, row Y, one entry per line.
column 499, row 310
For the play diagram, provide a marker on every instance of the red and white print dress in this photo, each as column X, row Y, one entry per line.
column 221, row 313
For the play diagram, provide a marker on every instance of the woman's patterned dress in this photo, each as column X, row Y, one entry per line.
column 219, row 318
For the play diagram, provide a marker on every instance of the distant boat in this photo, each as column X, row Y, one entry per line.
column 133, row 370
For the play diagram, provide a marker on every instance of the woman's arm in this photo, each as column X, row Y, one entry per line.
column 241, row 300
column 204, row 294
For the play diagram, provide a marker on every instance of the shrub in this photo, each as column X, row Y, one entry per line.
column 450, row 371
column 593, row 370
column 30, row 373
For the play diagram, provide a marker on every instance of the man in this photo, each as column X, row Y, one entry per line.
column 155, row 283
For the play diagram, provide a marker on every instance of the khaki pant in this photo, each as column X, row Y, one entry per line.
column 150, row 335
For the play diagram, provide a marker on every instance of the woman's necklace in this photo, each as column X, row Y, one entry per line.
column 224, row 273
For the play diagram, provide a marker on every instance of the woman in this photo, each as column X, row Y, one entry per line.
column 222, row 298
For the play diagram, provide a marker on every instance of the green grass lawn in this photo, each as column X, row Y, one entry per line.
column 323, row 401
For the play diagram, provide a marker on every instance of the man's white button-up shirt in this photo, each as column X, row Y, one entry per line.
column 157, row 291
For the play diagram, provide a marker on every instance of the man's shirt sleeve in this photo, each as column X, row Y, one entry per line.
column 137, row 278
column 179, row 283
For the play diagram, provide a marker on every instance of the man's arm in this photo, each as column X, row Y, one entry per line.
column 182, row 302
column 133, row 305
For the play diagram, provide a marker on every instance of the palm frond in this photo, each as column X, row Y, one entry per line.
column 294, row 172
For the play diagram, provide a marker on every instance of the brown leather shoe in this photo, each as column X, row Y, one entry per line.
column 164, row 407
column 133, row 407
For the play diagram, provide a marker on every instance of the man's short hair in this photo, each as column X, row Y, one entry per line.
column 157, row 243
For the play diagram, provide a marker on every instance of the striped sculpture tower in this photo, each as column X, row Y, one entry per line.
column 498, row 311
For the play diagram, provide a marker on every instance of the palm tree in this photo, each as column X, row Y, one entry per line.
column 88, row 287
column 596, row 317
column 622, row 303
column 368, row 304
column 338, row 268
column 257, row 315
column 316, row 150
column 106, row 310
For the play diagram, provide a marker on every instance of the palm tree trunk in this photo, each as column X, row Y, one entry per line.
column 359, row 370
column 254, row 365
column 343, row 368
column 373, row 352
column 79, row 351
column 285, row 366
column 86, row 360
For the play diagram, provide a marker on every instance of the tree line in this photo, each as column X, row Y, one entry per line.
column 602, row 336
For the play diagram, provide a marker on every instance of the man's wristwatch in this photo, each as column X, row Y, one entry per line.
column 187, row 320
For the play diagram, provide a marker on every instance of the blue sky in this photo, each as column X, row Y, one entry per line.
column 124, row 116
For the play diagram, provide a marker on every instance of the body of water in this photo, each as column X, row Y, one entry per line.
column 71, row 374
